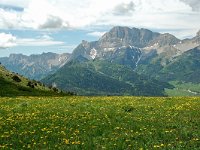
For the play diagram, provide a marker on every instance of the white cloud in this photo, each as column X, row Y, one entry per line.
column 124, row 9
column 57, row 14
column 9, row 19
column 96, row 34
column 195, row 4
column 44, row 40
column 7, row 40
column 54, row 22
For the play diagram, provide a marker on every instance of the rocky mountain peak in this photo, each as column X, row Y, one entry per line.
column 123, row 36
column 16, row 56
column 119, row 32
column 120, row 42
column 84, row 42
column 166, row 39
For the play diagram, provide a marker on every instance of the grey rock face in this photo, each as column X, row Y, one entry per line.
column 123, row 36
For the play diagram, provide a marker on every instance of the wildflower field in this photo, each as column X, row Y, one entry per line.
column 100, row 123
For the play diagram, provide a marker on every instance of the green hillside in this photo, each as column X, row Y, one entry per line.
column 12, row 84
column 185, row 68
column 104, row 78
column 181, row 71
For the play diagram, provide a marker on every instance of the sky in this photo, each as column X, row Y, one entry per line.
column 37, row 26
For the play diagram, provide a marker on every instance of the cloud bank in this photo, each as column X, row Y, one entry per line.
column 69, row 14
column 9, row 40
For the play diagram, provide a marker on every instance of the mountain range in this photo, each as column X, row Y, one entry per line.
column 124, row 61
column 35, row 66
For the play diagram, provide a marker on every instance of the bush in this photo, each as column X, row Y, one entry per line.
column 128, row 108
column 71, row 93
column 30, row 84
column 40, row 84
column 55, row 89
column 24, row 89
column 16, row 78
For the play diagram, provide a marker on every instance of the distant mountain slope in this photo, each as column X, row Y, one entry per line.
column 104, row 78
column 184, row 68
column 34, row 66
column 15, row 85
column 182, row 72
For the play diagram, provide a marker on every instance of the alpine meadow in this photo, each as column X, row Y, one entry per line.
column 99, row 75
column 100, row 123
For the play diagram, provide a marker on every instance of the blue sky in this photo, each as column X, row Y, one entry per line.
column 37, row 42
column 37, row 26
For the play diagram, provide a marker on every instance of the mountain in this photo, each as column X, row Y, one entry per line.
column 129, row 61
column 178, row 65
column 175, row 57
column 126, row 46
column 118, row 54
column 13, row 84
column 35, row 66
column 123, row 36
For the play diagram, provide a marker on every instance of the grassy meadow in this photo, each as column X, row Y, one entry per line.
column 88, row 123
column 183, row 89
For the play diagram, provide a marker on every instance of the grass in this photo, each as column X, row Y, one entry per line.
column 183, row 89
column 99, row 123
column 10, row 87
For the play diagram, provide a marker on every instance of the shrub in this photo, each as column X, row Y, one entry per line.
column 55, row 89
column 40, row 84
column 128, row 108
column 30, row 84
column 71, row 93
column 24, row 89
column 16, row 78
